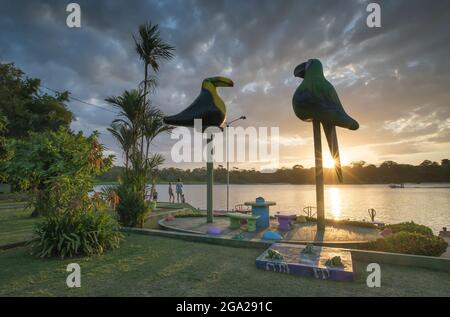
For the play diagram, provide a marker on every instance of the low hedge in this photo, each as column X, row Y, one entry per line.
column 335, row 222
column 411, row 227
column 410, row 243
column 193, row 213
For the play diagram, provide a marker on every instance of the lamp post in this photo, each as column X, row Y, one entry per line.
column 228, row 163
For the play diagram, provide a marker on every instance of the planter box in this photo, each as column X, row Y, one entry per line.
column 296, row 263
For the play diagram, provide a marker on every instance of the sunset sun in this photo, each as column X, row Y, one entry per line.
column 328, row 161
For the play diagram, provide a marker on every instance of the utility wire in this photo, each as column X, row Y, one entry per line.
column 80, row 100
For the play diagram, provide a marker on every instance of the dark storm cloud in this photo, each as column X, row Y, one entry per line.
column 388, row 78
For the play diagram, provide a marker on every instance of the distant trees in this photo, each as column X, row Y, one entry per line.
column 357, row 173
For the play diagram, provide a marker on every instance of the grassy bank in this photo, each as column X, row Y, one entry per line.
column 154, row 266
column 16, row 225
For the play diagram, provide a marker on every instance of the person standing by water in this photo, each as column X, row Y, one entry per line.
column 179, row 190
column 171, row 195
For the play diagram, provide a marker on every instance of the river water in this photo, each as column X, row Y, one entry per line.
column 427, row 204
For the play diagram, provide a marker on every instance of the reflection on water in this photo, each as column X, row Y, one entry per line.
column 421, row 204
column 335, row 200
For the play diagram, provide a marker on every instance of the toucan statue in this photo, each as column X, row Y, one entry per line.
column 316, row 100
column 210, row 108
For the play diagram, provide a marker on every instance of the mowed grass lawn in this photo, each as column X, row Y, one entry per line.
column 16, row 225
column 156, row 266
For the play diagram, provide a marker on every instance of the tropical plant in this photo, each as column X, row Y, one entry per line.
column 78, row 233
column 151, row 49
column 136, row 127
column 58, row 167
column 124, row 136
column 132, row 208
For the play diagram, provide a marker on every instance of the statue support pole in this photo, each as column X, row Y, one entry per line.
column 319, row 176
column 209, row 179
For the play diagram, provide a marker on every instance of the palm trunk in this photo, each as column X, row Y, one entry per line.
column 143, row 109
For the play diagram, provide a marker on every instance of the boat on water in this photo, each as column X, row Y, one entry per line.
column 397, row 185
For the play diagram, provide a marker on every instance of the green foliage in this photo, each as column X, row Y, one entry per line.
column 335, row 261
column 74, row 234
column 274, row 255
column 411, row 227
column 132, row 208
column 58, row 167
column 26, row 109
column 410, row 243
column 238, row 236
column 5, row 154
column 309, row 249
column 135, row 128
column 189, row 213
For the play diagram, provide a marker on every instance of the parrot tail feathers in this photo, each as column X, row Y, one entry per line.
column 330, row 133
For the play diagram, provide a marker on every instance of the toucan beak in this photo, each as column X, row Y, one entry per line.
column 231, row 83
column 299, row 71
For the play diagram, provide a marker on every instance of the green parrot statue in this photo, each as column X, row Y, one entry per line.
column 316, row 99
column 208, row 106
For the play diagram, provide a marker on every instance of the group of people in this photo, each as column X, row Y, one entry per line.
column 178, row 191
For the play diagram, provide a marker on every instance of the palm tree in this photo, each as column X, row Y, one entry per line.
column 131, row 106
column 124, row 136
column 153, row 126
column 151, row 49
column 152, row 167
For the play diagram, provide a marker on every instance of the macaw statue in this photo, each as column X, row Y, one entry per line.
column 316, row 100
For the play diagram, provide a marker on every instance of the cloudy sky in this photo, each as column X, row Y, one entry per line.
column 394, row 80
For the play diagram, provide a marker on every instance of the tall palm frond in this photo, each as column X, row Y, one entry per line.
column 150, row 47
column 125, row 137
column 131, row 105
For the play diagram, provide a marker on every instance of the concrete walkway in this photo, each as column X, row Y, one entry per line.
column 305, row 232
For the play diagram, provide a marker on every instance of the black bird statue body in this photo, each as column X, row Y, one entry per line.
column 316, row 100
column 208, row 106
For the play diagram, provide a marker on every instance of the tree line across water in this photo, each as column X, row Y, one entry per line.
column 356, row 173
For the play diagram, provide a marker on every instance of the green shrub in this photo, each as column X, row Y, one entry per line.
column 410, row 243
column 411, row 227
column 132, row 208
column 79, row 233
